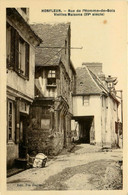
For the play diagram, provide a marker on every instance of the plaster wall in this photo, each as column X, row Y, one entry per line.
column 93, row 109
column 20, row 84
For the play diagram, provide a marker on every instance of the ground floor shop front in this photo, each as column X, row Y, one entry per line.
column 17, row 123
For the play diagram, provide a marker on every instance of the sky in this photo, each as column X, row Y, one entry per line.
column 102, row 38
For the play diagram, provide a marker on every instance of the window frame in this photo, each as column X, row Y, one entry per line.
column 13, row 58
column 21, row 57
column 10, row 129
column 51, row 78
column 86, row 98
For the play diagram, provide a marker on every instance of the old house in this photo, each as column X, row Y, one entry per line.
column 95, row 106
column 20, row 49
column 51, row 111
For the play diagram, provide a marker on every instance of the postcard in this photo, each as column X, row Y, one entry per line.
column 63, row 97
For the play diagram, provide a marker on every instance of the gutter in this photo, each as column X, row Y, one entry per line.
column 83, row 94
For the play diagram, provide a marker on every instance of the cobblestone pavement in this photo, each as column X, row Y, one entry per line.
column 85, row 168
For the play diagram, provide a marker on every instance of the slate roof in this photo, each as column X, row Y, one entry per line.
column 53, row 35
column 88, row 83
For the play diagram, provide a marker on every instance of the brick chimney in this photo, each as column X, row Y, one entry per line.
column 95, row 67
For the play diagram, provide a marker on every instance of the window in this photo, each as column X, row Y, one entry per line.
column 10, row 45
column 51, row 78
column 8, row 48
column 10, row 120
column 86, row 100
column 17, row 52
column 21, row 63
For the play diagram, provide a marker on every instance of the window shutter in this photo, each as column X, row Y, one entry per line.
column 12, row 57
column 16, row 50
column 27, row 59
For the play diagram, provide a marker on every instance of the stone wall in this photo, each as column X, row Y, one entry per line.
column 49, row 141
column 41, row 141
column 12, row 154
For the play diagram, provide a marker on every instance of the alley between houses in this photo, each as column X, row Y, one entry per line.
column 86, row 167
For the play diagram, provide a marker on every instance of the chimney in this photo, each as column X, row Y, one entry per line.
column 95, row 67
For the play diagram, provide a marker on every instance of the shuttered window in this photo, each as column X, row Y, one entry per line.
column 17, row 52
column 27, row 59
column 11, row 120
column 8, row 48
column 21, row 63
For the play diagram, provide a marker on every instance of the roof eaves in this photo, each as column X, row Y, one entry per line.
column 13, row 10
column 40, row 65
column 85, row 94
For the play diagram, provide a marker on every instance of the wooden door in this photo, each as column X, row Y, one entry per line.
column 23, row 137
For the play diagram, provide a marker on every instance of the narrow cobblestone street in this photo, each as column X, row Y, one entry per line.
column 86, row 167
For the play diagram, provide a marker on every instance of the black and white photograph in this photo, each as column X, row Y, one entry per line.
column 65, row 96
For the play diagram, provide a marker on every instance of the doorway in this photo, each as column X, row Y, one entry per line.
column 23, row 136
column 86, row 129
column 84, row 132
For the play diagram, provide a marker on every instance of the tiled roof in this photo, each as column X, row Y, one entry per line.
column 88, row 83
column 53, row 35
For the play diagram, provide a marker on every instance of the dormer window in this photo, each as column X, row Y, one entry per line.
column 51, row 80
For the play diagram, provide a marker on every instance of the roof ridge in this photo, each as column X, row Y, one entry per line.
column 50, row 23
